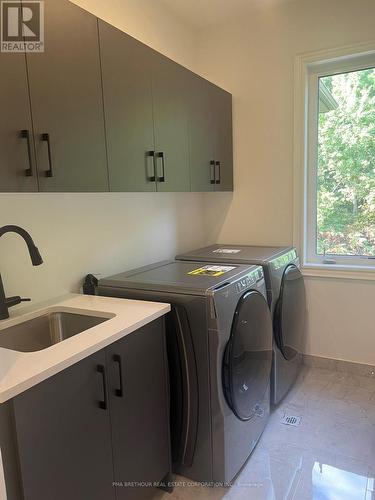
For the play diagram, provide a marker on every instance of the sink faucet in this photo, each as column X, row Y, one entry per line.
column 36, row 260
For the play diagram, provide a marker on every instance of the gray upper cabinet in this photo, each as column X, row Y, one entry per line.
column 66, row 101
column 170, row 85
column 17, row 161
column 201, row 135
column 222, row 106
column 146, row 112
column 210, row 137
column 100, row 111
column 126, row 69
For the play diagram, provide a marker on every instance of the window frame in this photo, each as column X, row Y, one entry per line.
column 308, row 69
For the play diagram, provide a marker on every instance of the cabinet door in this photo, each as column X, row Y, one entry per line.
column 222, row 103
column 63, row 436
column 66, row 99
column 17, row 161
column 126, row 69
column 201, row 135
column 139, row 409
column 171, row 102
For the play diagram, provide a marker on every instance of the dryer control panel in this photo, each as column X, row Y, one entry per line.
column 284, row 260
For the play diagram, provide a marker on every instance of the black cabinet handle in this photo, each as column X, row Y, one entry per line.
column 46, row 138
column 212, row 172
column 151, row 154
column 162, row 177
column 119, row 392
column 218, row 177
column 103, row 404
column 25, row 134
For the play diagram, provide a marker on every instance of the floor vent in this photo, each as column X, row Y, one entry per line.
column 291, row 420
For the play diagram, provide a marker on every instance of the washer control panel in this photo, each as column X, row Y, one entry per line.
column 244, row 283
column 249, row 280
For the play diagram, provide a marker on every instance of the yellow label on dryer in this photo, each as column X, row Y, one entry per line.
column 213, row 271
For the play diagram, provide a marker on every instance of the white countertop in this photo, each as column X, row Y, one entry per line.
column 21, row 370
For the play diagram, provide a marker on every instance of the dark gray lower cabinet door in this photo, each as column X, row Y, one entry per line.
column 67, row 103
column 201, row 135
column 224, row 139
column 17, row 162
column 139, row 410
column 170, row 87
column 64, row 436
column 126, row 69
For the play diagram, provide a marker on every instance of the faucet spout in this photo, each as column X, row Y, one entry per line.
column 36, row 259
column 35, row 256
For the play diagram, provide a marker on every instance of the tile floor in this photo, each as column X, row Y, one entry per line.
column 329, row 456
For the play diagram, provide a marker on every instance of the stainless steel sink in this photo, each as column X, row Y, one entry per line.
column 46, row 330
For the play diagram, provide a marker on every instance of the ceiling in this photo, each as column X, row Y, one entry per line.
column 200, row 14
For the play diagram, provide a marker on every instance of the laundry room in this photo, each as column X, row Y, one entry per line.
column 190, row 312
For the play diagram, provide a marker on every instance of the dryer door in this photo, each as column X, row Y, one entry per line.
column 248, row 356
column 290, row 313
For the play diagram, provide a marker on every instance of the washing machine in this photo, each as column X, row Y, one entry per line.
column 286, row 298
column 219, row 344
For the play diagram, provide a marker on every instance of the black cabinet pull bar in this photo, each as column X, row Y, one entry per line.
column 120, row 391
column 46, row 138
column 212, row 172
column 151, row 154
column 103, row 404
column 25, row 134
column 162, row 177
column 218, row 178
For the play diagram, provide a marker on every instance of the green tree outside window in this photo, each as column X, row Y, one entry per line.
column 346, row 166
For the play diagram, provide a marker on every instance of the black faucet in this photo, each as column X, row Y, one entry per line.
column 36, row 259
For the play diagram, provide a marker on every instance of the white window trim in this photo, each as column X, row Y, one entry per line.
column 340, row 60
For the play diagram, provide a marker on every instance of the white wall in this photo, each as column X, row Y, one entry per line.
column 151, row 23
column 102, row 233
column 253, row 58
column 92, row 233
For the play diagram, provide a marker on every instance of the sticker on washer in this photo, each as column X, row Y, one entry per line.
column 226, row 250
column 211, row 271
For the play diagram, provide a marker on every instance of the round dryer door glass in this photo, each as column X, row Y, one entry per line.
column 290, row 312
column 248, row 356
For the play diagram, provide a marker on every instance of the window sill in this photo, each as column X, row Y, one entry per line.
column 339, row 271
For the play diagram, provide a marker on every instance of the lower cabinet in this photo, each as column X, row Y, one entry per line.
column 94, row 431
column 64, row 437
column 139, row 411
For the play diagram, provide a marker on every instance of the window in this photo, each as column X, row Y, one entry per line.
column 338, row 227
